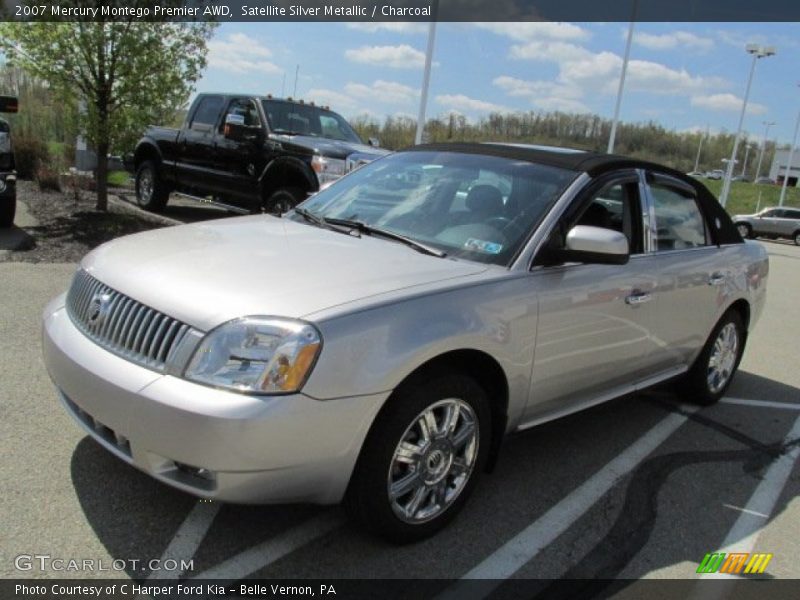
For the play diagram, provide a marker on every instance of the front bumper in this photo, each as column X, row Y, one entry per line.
column 212, row 443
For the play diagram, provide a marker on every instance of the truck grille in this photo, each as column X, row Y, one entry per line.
column 121, row 324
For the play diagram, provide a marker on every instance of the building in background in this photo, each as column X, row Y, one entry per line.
column 778, row 170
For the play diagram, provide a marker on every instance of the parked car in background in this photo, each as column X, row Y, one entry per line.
column 247, row 153
column 376, row 343
column 8, row 173
column 741, row 178
column 766, row 180
column 715, row 174
column 696, row 174
column 771, row 223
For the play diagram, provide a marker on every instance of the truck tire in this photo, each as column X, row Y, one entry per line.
column 283, row 200
column 8, row 208
column 151, row 192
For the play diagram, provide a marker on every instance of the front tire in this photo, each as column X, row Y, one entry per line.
column 8, row 208
column 421, row 458
column 151, row 192
column 283, row 200
column 713, row 371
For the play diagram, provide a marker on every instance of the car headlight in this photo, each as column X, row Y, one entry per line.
column 327, row 169
column 262, row 355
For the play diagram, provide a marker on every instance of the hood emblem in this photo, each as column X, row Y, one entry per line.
column 98, row 309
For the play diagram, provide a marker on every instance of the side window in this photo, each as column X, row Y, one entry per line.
column 245, row 109
column 679, row 223
column 205, row 117
column 615, row 207
column 793, row 214
column 770, row 214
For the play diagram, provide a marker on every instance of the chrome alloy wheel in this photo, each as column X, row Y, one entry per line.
column 723, row 358
column 744, row 230
column 145, row 185
column 433, row 461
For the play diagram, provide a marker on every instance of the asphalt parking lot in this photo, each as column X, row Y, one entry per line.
column 641, row 487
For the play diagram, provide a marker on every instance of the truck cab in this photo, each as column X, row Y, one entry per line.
column 248, row 153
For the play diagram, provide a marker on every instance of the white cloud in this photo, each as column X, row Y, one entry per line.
column 460, row 102
column 547, row 95
column 394, row 27
column 387, row 92
column 675, row 39
column 727, row 102
column 239, row 53
column 396, row 57
column 536, row 30
column 558, row 52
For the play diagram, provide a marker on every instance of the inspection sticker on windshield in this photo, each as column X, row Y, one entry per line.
column 483, row 246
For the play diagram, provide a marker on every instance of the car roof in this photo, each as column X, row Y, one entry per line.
column 571, row 159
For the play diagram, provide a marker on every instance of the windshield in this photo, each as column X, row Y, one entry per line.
column 477, row 207
column 304, row 119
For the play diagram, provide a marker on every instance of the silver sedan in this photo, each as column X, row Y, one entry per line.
column 375, row 344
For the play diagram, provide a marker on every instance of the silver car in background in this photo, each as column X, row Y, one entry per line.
column 375, row 344
column 771, row 223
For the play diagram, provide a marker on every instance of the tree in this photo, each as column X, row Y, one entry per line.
column 125, row 72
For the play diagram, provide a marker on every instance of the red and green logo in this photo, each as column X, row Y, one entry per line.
column 734, row 563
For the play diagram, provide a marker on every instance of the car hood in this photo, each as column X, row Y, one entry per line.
column 208, row 273
column 331, row 148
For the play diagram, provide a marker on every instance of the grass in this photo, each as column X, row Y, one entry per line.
column 118, row 178
column 56, row 148
column 747, row 198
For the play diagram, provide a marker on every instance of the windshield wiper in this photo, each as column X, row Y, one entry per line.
column 363, row 227
column 320, row 221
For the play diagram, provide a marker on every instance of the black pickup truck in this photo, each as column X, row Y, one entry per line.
column 247, row 153
column 8, row 173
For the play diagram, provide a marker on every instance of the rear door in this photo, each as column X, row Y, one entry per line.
column 195, row 160
column 691, row 280
column 767, row 222
column 787, row 222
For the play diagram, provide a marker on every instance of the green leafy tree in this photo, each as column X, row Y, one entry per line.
column 126, row 73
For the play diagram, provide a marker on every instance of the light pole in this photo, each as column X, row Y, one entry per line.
column 613, row 136
column 426, row 75
column 788, row 169
column 699, row 150
column 767, row 125
column 757, row 52
column 744, row 164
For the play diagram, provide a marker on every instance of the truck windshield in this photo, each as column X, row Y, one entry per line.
column 303, row 119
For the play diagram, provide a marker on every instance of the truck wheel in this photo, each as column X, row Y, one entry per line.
column 8, row 208
column 283, row 200
column 796, row 237
column 712, row 372
column 151, row 193
column 421, row 458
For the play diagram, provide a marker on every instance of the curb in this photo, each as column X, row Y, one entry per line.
column 122, row 202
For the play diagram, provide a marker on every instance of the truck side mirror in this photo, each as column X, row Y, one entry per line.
column 8, row 104
column 374, row 142
column 234, row 126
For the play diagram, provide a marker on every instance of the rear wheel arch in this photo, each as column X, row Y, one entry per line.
column 145, row 151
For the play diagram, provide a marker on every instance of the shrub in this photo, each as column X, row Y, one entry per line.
column 29, row 154
column 48, row 179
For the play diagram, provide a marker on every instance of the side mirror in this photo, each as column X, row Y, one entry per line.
column 374, row 142
column 598, row 245
column 8, row 104
column 236, row 129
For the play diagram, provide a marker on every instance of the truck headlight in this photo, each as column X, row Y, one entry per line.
column 327, row 169
column 262, row 355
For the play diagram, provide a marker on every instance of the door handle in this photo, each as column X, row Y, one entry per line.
column 716, row 279
column 638, row 298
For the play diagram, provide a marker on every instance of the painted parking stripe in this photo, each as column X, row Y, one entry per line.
column 761, row 403
column 264, row 554
column 524, row 546
column 745, row 531
column 188, row 537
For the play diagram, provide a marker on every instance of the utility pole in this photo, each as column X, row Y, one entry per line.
column 744, row 164
column 296, row 72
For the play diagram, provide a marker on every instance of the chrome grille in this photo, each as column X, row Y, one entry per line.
column 121, row 324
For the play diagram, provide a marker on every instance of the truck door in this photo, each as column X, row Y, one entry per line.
column 239, row 156
column 195, row 157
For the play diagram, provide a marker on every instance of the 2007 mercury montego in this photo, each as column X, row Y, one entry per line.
column 376, row 343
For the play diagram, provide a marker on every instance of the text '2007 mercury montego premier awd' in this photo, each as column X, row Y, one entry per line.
column 376, row 343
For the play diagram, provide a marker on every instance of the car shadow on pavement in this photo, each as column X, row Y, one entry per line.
column 136, row 517
column 14, row 238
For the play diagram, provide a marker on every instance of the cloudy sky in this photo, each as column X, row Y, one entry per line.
column 684, row 76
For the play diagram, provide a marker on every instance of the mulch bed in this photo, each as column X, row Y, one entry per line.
column 69, row 226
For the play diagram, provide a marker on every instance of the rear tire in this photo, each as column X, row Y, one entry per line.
column 796, row 237
column 408, row 484
column 8, row 208
column 151, row 192
column 745, row 230
column 713, row 371
column 283, row 200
